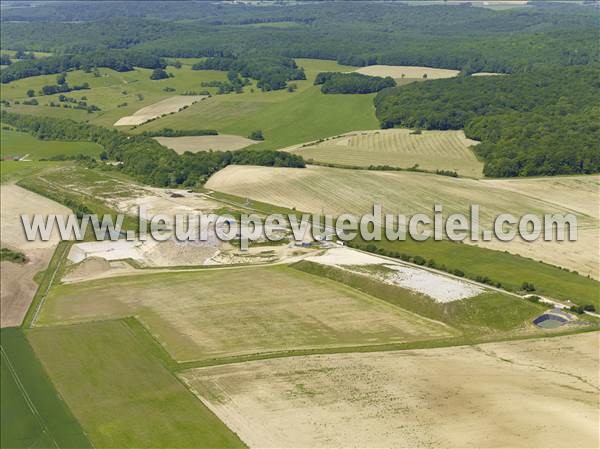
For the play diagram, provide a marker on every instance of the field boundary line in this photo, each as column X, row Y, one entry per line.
column 28, row 400
column 39, row 301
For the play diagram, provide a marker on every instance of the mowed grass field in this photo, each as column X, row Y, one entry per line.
column 121, row 394
column 430, row 150
column 235, row 312
column 33, row 414
column 11, row 171
column 286, row 118
column 15, row 143
column 340, row 191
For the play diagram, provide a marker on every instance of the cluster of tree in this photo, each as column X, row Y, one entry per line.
column 169, row 132
column 537, row 123
column 119, row 60
column 352, row 83
column 52, row 89
column 5, row 60
column 272, row 72
column 12, row 256
column 144, row 158
column 160, row 74
column 582, row 309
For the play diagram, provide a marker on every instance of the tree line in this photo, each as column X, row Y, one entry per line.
column 352, row 83
column 271, row 72
column 144, row 158
column 537, row 123
column 119, row 60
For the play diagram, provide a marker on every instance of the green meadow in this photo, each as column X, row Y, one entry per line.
column 20, row 144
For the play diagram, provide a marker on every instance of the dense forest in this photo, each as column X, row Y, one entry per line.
column 355, row 33
column 144, row 158
column 271, row 72
column 121, row 61
column 538, row 123
column 352, row 83
column 538, row 120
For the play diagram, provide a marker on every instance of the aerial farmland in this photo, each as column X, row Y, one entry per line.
column 299, row 224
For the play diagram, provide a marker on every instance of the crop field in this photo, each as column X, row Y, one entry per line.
column 18, row 285
column 126, row 398
column 221, row 142
column 338, row 191
column 285, row 309
column 22, row 145
column 496, row 395
column 430, row 150
column 404, row 72
column 164, row 107
column 33, row 414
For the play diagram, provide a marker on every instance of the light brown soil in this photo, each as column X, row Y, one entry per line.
column 530, row 393
column 17, row 286
column 396, row 71
column 167, row 106
column 222, row 142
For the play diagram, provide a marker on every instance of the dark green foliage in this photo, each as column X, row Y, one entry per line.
column 528, row 287
column 144, row 158
column 62, row 88
column 159, row 74
column 583, row 308
column 256, row 135
column 272, row 72
column 168, row 132
column 538, row 123
column 352, row 83
column 12, row 256
column 118, row 60
column 5, row 60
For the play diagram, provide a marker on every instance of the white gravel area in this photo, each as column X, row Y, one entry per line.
column 437, row 286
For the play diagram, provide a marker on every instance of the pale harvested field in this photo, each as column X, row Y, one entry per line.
column 228, row 312
column 430, row 150
column 18, row 286
column 396, row 71
column 531, row 393
column 221, row 142
column 340, row 191
column 167, row 106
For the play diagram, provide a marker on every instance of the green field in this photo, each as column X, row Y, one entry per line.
column 285, row 118
column 479, row 317
column 15, row 170
column 33, row 414
column 122, row 395
column 20, row 144
column 429, row 150
column 286, row 310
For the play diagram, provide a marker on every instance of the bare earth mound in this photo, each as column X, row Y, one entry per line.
column 167, row 106
column 221, row 142
column 339, row 191
column 404, row 71
column 429, row 150
column 531, row 393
